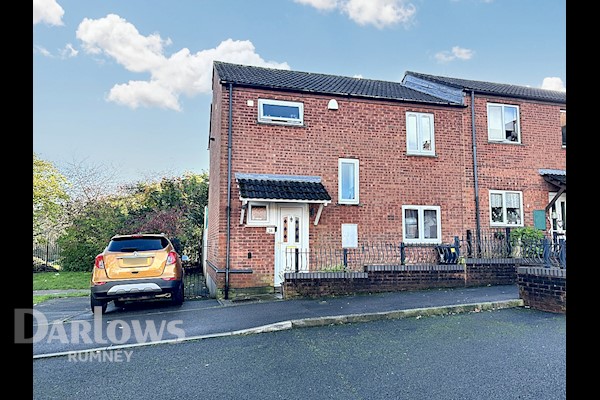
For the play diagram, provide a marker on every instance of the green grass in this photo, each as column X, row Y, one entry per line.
column 61, row 280
column 37, row 299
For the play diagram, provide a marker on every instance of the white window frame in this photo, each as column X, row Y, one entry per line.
column 563, row 142
column 505, row 222
column 258, row 222
column 354, row 162
column 421, row 224
column 503, row 123
column 280, row 120
column 419, row 134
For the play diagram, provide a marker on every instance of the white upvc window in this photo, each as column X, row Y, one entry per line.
column 506, row 208
column 503, row 123
column 258, row 214
column 421, row 224
column 348, row 181
column 280, row 112
column 563, row 126
column 420, row 138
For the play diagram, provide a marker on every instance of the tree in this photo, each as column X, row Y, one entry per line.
column 49, row 196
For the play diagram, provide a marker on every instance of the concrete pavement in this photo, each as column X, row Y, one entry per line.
column 202, row 319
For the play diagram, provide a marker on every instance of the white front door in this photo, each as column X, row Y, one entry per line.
column 558, row 216
column 291, row 240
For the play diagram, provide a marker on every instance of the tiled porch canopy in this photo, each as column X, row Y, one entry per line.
column 282, row 188
column 557, row 178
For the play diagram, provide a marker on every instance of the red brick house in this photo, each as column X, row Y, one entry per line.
column 300, row 160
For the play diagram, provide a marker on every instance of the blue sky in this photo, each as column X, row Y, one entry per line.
column 126, row 84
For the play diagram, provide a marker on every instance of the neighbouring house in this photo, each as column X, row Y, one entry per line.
column 303, row 160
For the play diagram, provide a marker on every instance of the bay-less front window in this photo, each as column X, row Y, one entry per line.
column 421, row 224
column 280, row 112
column 347, row 181
column 419, row 134
column 506, row 208
column 503, row 123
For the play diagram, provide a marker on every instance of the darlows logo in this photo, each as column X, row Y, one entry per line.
column 117, row 331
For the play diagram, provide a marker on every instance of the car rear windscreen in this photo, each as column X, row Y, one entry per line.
column 137, row 244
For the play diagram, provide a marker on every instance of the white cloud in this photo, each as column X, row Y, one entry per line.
column 456, row 53
column 68, row 51
column 320, row 4
column 359, row 76
column 380, row 13
column 48, row 11
column 42, row 50
column 554, row 83
column 181, row 73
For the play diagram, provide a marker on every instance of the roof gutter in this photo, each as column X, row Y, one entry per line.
column 475, row 178
column 228, row 245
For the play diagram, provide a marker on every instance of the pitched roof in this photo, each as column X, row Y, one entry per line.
column 282, row 187
column 271, row 78
column 498, row 89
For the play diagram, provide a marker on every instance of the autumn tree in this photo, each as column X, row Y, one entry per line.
column 49, row 196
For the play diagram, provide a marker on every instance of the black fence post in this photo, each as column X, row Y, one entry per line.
column 546, row 247
column 469, row 243
column 345, row 258
column 457, row 246
column 402, row 253
column 297, row 257
column 47, row 250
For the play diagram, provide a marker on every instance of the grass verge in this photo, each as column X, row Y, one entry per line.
column 37, row 299
column 61, row 280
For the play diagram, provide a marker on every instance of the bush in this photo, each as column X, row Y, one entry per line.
column 529, row 239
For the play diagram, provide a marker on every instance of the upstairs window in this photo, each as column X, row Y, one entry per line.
column 280, row 112
column 563, row 126
column 503, row 123
column 419, row 134
column 347, row 181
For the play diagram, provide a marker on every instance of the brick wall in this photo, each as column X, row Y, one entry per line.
column 396, row 278
column 543, row 288
column 374, row 132
column 507, row 166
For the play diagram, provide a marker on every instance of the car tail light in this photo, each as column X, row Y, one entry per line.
column 99, row 262
column 171, row 258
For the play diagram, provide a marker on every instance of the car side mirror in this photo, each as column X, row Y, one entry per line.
column 185, row 258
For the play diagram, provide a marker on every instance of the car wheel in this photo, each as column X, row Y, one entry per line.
column 178, row 295
column 94, row 302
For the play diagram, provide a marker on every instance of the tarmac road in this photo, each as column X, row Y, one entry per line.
column 506, row 353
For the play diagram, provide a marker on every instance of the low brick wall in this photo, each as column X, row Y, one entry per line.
column 543, row 288
column 389, row 278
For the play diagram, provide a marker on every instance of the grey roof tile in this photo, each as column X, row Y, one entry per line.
column 281, row 79
column 276, row 189
column 498, row 89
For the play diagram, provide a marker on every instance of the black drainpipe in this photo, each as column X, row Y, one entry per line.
column 477, row 222
column 228, row 193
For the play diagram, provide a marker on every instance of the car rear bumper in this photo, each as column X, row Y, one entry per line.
column 135, row 289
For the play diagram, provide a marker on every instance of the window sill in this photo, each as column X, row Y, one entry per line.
column 349, row 204
column 281, row 124
column 505, row 142
column 422, row 155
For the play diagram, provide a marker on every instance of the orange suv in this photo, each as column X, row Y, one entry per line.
column 137, row 267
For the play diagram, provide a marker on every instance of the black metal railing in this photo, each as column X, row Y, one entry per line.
column 493, row 246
